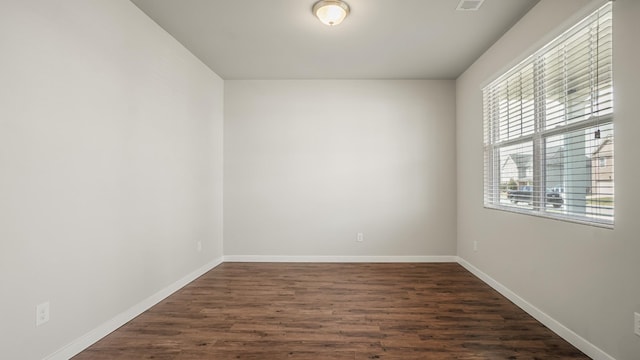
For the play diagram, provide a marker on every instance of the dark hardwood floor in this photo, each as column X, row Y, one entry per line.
column 334, row 311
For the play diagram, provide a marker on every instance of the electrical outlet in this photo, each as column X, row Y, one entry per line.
column 475, row 245
column 636, row 323
column 360, row 237
column 42, row 313
column 199, row 245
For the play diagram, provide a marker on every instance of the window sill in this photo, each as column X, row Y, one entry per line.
column 559, row 217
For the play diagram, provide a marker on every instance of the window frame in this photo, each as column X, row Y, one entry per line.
column 494, row 93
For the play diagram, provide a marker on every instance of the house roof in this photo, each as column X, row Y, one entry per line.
column 603, row 143
column 555, row 156
column 521, row 160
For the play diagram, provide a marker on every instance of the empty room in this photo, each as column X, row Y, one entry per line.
column 333, row 179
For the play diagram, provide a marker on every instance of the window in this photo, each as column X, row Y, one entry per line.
column 548, row 129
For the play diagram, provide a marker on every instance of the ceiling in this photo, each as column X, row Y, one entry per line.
column 380, row 39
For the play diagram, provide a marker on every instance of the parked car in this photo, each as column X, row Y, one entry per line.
column 525, row 194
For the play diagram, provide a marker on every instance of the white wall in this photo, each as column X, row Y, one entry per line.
column 586, row 278
column 110, row 166
column 309, row 163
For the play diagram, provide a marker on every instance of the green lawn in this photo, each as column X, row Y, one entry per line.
column 602, row 201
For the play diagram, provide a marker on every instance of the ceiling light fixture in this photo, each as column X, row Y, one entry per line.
column 331, row 12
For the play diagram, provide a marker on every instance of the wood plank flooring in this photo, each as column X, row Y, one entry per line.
column 334, row 311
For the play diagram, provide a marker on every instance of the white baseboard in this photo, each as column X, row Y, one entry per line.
column 340, row 259
column 83, row 342
column 574, row 339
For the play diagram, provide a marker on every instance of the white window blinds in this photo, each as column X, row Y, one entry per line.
column 548, row 128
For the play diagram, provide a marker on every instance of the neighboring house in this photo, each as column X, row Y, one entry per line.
column 519, row 168
column 602, row 169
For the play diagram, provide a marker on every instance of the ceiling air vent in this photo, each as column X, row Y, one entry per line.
column 469, row 5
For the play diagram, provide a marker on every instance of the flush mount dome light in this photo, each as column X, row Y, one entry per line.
column 331, row 12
